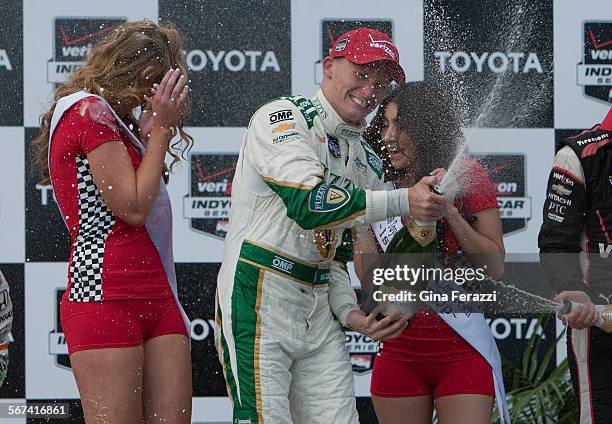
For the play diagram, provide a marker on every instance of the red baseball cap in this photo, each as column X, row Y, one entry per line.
column 366, row 45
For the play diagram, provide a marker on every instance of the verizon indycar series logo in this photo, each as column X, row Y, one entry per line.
column 595, row 70
column 57, row 340
column 331, row 29
column 208, row 203
column 362, row 350
column 72, row 40
column 508, row 173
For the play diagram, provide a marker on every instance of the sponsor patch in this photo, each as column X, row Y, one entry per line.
column 317, row 104
column 282, row 264
column 326, row 198
column 333, row 146
column 555, row 217
column 292, row 135
column 362, row 167
column 563, row 178
column 557, row 208
column 283, row 127
column 559, row 199
column 375, row 163
column 341, row 44
column 307, row 109
column 280, row 115
column 562, row 190
column 348, row 131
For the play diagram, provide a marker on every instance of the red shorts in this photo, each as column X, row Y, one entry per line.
column 118, row 323
column 430, row 358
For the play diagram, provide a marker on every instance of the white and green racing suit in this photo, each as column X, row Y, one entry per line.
column 295, row 197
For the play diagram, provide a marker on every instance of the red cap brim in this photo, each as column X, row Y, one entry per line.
column 397, row 73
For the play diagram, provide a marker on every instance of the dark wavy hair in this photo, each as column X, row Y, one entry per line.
column 426, row 114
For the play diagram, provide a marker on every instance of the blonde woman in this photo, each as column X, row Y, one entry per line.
column 125, row 329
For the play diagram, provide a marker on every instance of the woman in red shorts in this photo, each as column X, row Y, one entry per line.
column 126, row 332
column 416, row 132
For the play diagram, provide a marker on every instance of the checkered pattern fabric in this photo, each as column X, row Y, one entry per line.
column 95, row 223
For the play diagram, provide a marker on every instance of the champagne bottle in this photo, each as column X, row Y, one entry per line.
column 604, row 311
column 415, row 246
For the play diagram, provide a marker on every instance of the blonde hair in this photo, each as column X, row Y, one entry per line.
column 122, row 68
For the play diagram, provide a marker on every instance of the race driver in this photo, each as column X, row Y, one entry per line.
column 576, row 252
column 295, row 196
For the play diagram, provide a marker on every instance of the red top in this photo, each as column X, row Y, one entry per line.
column 109, row 259
column 479, row 194
column 429, row 338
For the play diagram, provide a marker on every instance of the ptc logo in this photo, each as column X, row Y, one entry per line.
column 331, row 29
column 72, row 40
column 208, row 203
column 595, row 70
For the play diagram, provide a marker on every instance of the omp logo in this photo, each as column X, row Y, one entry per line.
column 605, row 250
column 233, row 60
column 282, row 264
column 281, row 115
column 595, row 70
column 5, row 62
column 496, row 62
column 72, row 41
column 208, row 203
column 331, row 29
column 516, row 328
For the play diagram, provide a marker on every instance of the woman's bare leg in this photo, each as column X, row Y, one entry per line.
column 110, row 384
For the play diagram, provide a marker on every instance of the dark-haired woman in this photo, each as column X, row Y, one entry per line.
column 445, row 360
column 126, row 332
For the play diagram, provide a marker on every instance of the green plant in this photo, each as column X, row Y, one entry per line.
column 540, row 393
